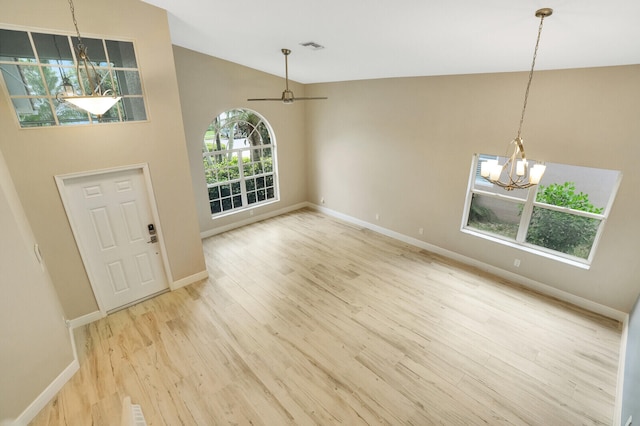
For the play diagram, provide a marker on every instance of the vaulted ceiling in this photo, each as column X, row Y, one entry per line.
column 366, row 39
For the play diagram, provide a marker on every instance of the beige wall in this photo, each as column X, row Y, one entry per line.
column 35, row 156
column 402, row 148
column 36, row 346
column 210, row 86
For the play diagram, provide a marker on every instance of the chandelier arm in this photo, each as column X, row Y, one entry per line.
column 533, row 64
column 92, row 79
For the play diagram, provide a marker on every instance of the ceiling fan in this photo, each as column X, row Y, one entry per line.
column 287, row 95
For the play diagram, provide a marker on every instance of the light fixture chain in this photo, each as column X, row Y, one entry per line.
column 533, row 64
column 75, row 23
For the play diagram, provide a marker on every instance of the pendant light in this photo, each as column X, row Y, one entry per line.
column 97, row 101
column 516, row 173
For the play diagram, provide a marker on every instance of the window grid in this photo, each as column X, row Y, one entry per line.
column 527, row 206
column 239, row 177
column 107, row 69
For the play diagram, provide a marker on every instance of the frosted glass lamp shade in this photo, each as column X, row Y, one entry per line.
column 96, row 105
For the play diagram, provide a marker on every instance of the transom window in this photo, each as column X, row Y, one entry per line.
column 239, row 162
column 34, row 64
column 562, row 217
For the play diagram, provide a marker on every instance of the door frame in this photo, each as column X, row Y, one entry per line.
column 62, row 181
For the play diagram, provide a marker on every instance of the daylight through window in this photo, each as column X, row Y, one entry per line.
column 563, row 216
column 239, row 162
column 34, row 64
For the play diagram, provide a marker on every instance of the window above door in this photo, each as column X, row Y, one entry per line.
column 33, row 66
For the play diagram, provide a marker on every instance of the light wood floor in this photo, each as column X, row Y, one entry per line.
column 308, row 320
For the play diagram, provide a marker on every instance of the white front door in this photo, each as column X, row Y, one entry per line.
column 114, row 226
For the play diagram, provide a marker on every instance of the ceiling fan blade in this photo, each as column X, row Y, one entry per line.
column 309, row 98
column 266, row 99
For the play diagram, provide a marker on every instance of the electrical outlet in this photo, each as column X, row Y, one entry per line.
column 420, row 231
column 377, row 216
column 322, row 200
column 516, row 263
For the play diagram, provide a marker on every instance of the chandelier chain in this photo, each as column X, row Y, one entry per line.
column 533, row 64
column 75, row 22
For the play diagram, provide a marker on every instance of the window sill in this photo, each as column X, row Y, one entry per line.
column 527, row 248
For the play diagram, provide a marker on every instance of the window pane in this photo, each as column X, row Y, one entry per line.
column 15, row 46
column 223, row 174
column 264, row 133
column 267, row 165
column 133, row 109
column 596, row 184
column 34, row 112
column 563, row 232
column 251, row 184
column 121, row 54
column 235, row 188
column 128, row 83
column 95, row 51
column 214, row 193
column 495, row 216
column 234, row 172
column 23, row 80
column 53, row 49
column 216, row 207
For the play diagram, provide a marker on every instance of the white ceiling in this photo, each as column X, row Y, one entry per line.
column 367, row 39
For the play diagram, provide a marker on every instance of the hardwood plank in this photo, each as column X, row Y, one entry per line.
column 309, row 320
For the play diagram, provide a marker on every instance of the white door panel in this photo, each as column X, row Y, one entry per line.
column 111, row 216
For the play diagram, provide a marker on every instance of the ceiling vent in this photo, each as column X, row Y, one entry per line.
column 312, row 45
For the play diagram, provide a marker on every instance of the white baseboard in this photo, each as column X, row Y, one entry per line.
column 515, row 278
column 202, row 275
column 47, row 395
column 85, row 319
column 253, row 219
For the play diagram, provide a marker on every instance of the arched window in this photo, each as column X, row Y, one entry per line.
column 239, row 154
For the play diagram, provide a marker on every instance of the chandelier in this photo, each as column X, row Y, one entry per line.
column 516, row 173
column 97, row 101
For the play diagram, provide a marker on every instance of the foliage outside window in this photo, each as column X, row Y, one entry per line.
column 238, row 152
column 563, row 216
column 33, row 66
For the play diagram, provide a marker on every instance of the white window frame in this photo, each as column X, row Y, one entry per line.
column 108, row 68
column 242, row 179
column 528, row 204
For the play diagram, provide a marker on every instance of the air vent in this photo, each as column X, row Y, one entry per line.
column 312, row 45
